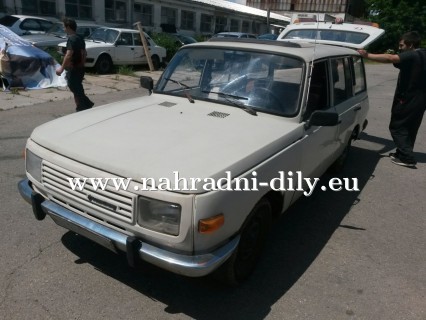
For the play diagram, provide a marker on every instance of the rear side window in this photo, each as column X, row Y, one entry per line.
column 31, row 24
column 359, row 83
column 8, row 21
column 45, row 25
column 342, row 84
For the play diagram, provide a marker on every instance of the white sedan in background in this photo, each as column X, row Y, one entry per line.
column 108, row 47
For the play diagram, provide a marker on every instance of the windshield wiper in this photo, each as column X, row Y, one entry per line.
column 183, row 86
column 233, row 99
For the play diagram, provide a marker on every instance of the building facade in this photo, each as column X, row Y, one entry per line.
column 192, row 17
column 349, row 8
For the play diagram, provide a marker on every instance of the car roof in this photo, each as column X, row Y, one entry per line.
column 305, row 50
column 20, row 16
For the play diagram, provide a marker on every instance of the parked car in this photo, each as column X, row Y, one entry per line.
column 268, row 36
column 348, row 34
column 234, row 35
column 108, row 47
column 21, row 24
column 182, row 39
column 56, row 34
column 227, row 117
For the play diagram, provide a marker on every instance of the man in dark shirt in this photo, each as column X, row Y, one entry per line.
column 73, row 63
column 409, row 101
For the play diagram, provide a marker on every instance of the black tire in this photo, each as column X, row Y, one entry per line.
column 104, row 64
column 156, row 62
column 253, row 235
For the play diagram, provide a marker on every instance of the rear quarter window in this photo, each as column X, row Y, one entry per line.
column 359, row 81
column 8, row 21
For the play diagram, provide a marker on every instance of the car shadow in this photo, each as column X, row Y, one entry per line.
column 296, row 239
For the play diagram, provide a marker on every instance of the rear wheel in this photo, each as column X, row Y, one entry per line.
column 253, row 235
column 104, row 64
column 340, row 162
column 155, row 62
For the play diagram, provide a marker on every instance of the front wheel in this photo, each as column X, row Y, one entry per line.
column 253, row 235
column 104, row 64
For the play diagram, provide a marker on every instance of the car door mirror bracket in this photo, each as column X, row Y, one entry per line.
column 322, row 118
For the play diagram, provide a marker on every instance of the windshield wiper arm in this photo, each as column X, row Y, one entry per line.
column 233, row 99
column 183, row 86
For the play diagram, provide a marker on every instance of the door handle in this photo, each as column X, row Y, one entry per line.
column 357, row 108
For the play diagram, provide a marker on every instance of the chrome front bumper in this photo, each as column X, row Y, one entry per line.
column 135, row 249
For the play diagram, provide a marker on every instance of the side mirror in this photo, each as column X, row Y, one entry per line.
column 322, row 118
column 147, row 83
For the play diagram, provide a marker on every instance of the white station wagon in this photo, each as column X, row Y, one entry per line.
column 198, row 154
column 108, row 47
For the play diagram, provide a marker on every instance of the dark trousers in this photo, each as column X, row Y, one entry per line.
column 75, row 83
column 406, row 119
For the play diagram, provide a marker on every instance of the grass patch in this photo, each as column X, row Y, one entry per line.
column 55, row 54
column 126, row 70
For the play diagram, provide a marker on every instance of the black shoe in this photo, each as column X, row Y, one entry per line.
column 409, row 164
column 393, row 155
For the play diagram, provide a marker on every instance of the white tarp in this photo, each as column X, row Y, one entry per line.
column 23, row 65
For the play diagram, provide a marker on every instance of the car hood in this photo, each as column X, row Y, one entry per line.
column 155, row 136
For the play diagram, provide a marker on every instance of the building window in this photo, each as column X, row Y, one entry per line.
column 220, row 24
column 78, row 9
column 39, row 7
column 187, row 20
column 144, row 14
column 245, row 27
column 168, row 16
column 115, row 11
column 234, row 25
column 206, row 23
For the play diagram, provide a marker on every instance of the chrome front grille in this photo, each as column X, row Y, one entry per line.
column 100, row 203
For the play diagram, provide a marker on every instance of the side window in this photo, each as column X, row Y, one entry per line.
column 45, row 25
column 30, row 24
column 318, row 98
column 359, row 83
column 126, row 39
column 137, row 39
column 342, row 84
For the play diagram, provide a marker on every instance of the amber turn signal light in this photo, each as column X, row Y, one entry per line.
column 212, row 224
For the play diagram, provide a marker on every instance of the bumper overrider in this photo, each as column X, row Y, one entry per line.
column 135, row 249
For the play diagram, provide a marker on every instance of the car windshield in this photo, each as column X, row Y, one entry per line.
column 57, row 29
column 104, row 35
column 260, row 81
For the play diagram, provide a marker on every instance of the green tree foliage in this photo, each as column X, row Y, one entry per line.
column 396, row 17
